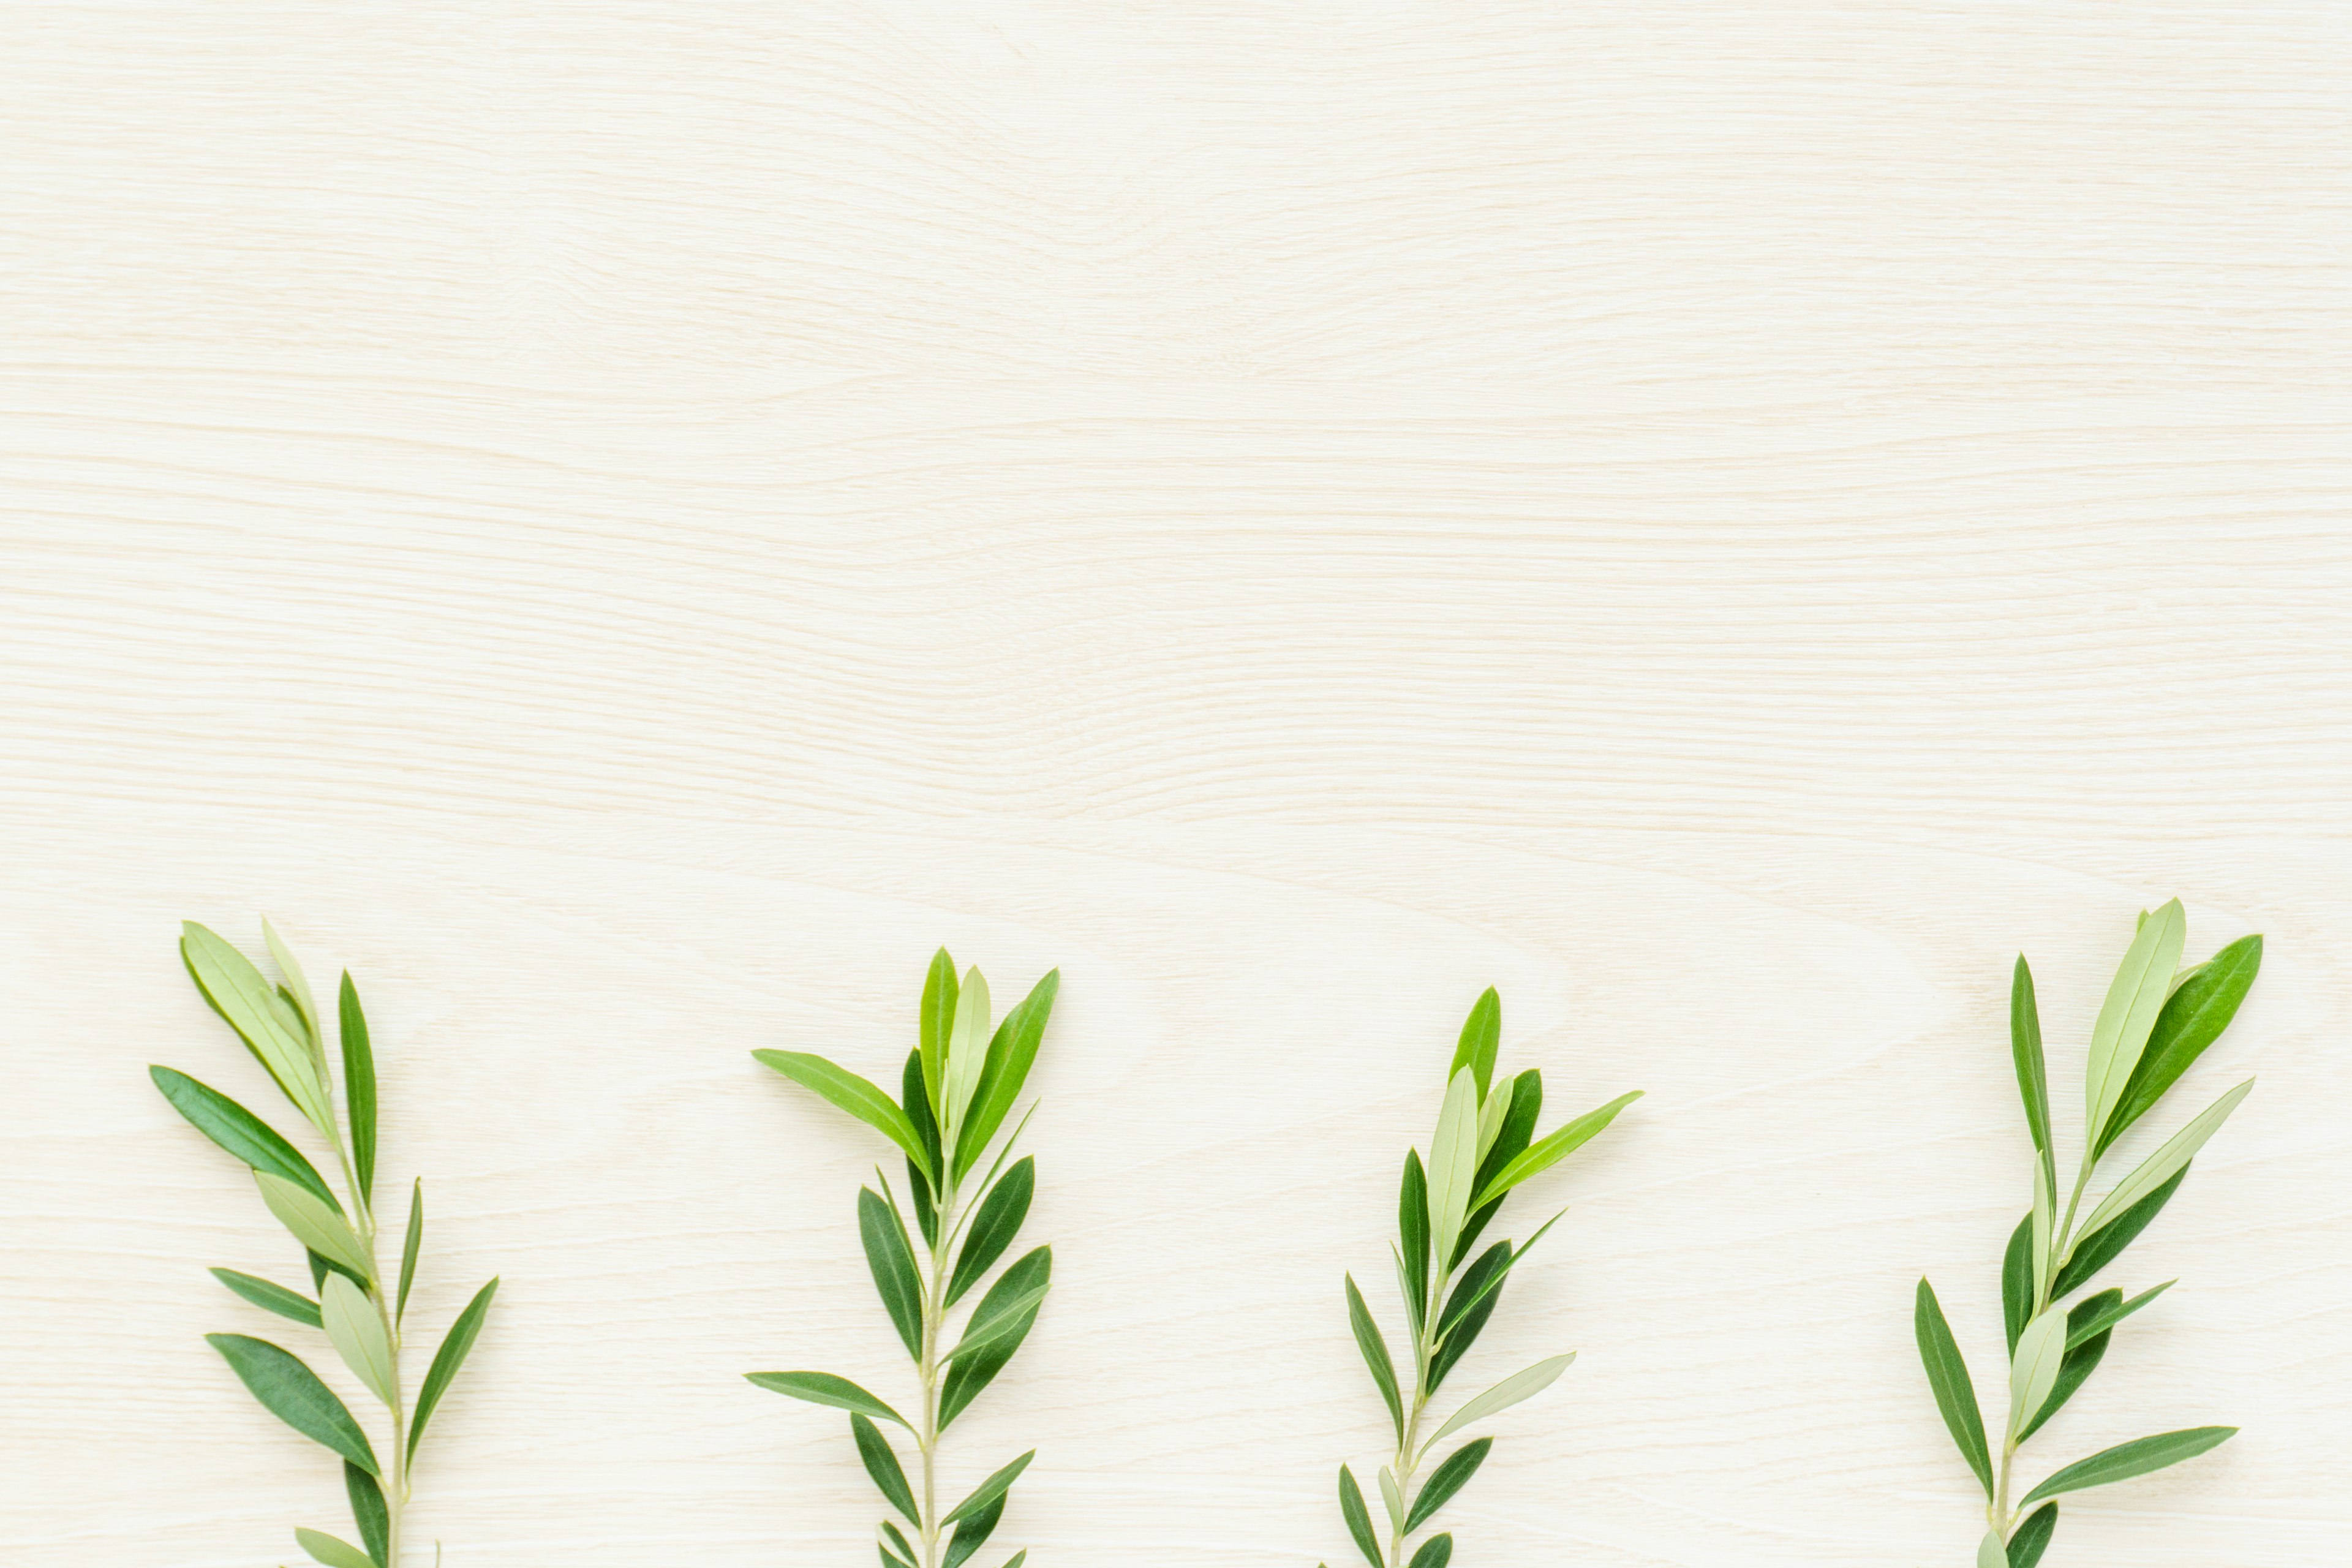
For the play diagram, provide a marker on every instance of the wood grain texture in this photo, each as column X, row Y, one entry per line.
column 626, row 524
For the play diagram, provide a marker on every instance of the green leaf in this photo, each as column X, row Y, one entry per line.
column 2193, row 1018
column 316, row 1225
column 938, row 1022
column 2169, row 1161
column 823, row 1388
column 331, row 1550
column 357, row 1333
column 1013, row 1318
column 1359, row 1517
column 969, row 1376
column 276, row 1298
column 1990, row 1552
column 2100, row 1323
column 1376, row 1352
column 892, row 1263
column 851, row 1093
column 2035, row 1370
column 1503, row 1396
column 1011, row 1054
column 1481, row 1042
column 359, row 1086
column 2080, row 1361
column 2016, row 1281
column 367, row 1511
column 1492, row 1113
column 267, row 1023
column 972, row 1533
column 1518, row 1131
column 1413, row 1225
column 410, row 1248
column 1435, row 1552
column 1392, row 1498
column 1475, row 1288
column 989, row 1490
column 1454, row 1162
column 2033, row 1073
column 882, row 1464
column 447, row 1359
column 292, row 1392
column 1541, row 1157
column 298, row 989
column 2097, row 1248
column 917, row 1107
column 1446, row 1480
column 2125, row 1460
column 1475, row 1296
column 1947, row 1375
column 999, row 1220
column 906, row 1553
column 239, row 1132
column 967, row 1048
column 2033, row 1537
column 2134, row 999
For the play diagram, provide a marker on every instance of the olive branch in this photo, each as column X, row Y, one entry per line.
column 359, row 1310
column 1484, row 1146
column 958, row 1084
column 2153, row 1024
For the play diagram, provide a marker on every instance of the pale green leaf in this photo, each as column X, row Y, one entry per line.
column 967, row 1051
column 356, row 1331
column 267, row 1023
column 2168, row 1162
column 2134, row 999
column 314, row 1224
column 329, row 1549
column 2033, row 1370
column 1453, row 1161
column 1503, row 1396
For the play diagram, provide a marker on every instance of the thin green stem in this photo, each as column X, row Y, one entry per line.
column 1408, row 1459
column 943, row 1227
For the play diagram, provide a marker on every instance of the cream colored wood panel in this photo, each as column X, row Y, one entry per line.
column 626, row 525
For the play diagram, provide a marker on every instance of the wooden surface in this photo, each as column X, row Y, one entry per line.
column 628, row 524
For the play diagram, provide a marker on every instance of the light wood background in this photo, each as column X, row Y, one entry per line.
column 626, row 524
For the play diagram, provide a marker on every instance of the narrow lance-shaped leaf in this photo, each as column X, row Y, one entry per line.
column 2078, row 1363
column 1466, row 1299
column 968, row 1039
column 852, row 1094
column 1446, row 1480
column 1392, row 1498
column 1011, row 1054
column 2134, row 999
column 989, row 1490
column 2193, row 1018
column 1475, row 1296
column 276, row 1298
column 359, row 1086
column 1359, row 1518
column 1990, row 1552
column 824, row 1388
column 296, row 986
column 2168, row 1162
column 2100, row 1323
column 2033, row 1073
column 993, row 1227
column 1948, row 1376
column 2099, row 1247
column 2017, row 1286
column 332, row 1550
column 882, row 1464
column 240, row 1132
column 1435, row 1552
column 1492, row 1115
column 1481, row 1042
column 315, row 1225
column 2033, row 1537
column 936, row 1024
column 914, row 1100
column 410, row 1248
column 1452, row 1162
column 2042, row 1219
column 357, row 1333
column 1517, row 1132
column 1376, row 1352
column 1542, row 1156
column 267, row 1023
column 892, row 1264
column 447, row 1359
column 971, row 1373
column 292, row 1392
column 1511, row 1391
column 1412, row 1228
column 896, row 1549
column 1011, row 1318
column 369, row 1512
column 2125, row 1460
column 2034, row 1372
column 972, row 1532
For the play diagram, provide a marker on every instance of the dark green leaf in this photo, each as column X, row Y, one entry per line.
column 274, row 1298
column 1482, row 1040
column 411, row 1247
column 2105, row 1245
column 897, row 1538
column 1413, row 1225
column 1359, row 1517
column 292, row 1392
column 2080, row 1361
column 2033, row 1537
column 359, row 1088
column 238, row 1131
column 447, row 1359
column 967, row 1377
column 1511, row 1140
column 1477, row 1293
column 369, row 1512
column 989, row 1490
column 972, row 1533
column 1947, row 1375
column 2033, row 1074
column 1472, row 1292
column 927, row 1129
column 1013, row 1318
column 823, row 1388
column 936, row 1024
column 1446, row 1480
column 331, row 1550
column 2192, row 1020
column 2016, row 1281
column 1435, row 1552
column 1376, row 1353
column 2079, row 1330
column 2137, row 1457
column 882, row 1464
column 999, row 1220
column 891, row 1558
column 1011, row 1054
column 851, row 1093
column 892, row 1263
